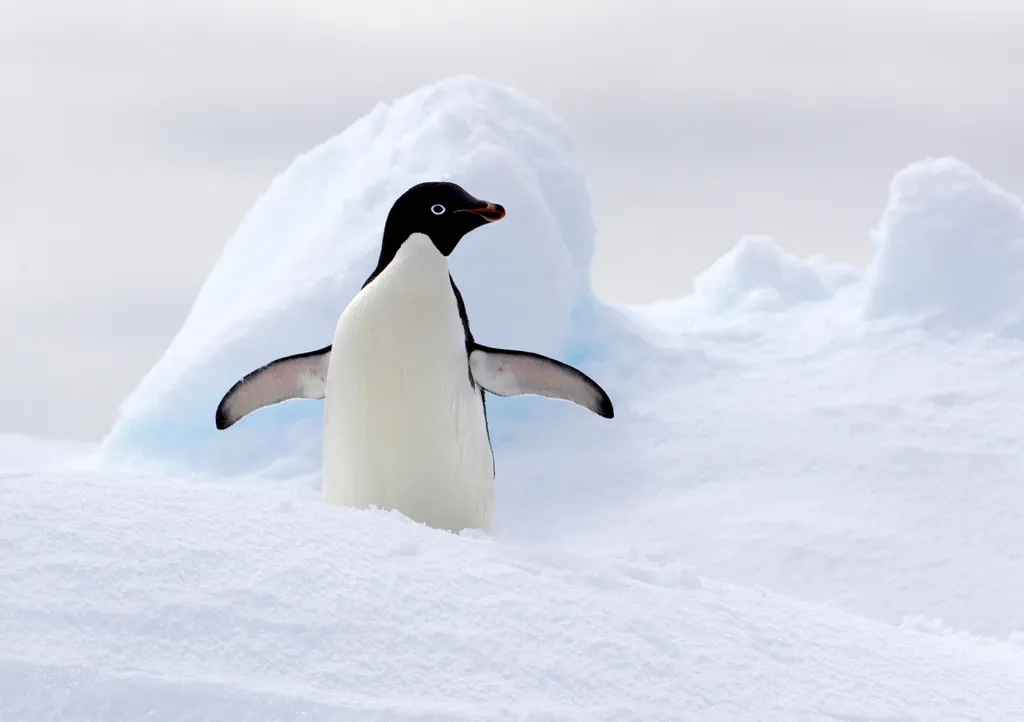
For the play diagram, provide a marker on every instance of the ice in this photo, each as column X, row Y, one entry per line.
column 807, row 506
column 157, row 599
column 311, row 240
column 759, row 275
column 19, row 453
column 950, row 250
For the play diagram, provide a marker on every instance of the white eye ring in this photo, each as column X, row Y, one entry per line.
column 437, row 209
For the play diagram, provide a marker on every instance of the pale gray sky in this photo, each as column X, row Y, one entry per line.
column 134, row 136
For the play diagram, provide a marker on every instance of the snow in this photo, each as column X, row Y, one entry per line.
column 148, row 598
column 312, row 239
column 950, row 249
column 758, row 274
column 807, row 506
column 21, row 453
column 875, row 470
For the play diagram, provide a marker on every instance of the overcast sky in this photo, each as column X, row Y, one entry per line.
column 134, row 136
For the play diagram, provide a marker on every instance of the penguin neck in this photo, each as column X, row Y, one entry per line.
column 416, row 253
column 419, row 250
column 418, row 263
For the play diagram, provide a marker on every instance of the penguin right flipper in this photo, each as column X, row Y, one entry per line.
column 301, row 376
column 512, row 373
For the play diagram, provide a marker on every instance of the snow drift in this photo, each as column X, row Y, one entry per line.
column 950, row 250
column 207, row 603
column 19, row 453
column 309, row 243
column 758, row 274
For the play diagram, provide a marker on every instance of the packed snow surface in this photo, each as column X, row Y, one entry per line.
column 149, row 598
column 808, row 505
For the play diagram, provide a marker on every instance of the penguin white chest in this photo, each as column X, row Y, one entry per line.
column 404, row 425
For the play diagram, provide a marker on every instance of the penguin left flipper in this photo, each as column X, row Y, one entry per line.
column 301, row 376
column 504, row 372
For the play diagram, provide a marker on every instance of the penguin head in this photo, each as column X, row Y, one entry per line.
column 443, row 211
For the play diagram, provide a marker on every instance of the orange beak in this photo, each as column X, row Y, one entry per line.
column 490, row 212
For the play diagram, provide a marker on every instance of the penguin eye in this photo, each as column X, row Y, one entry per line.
column 437, row 209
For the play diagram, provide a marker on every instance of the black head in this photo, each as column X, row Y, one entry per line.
column 443, row 211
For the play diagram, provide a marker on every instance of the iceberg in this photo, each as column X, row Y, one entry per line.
column 310, row 241
column 950, row 251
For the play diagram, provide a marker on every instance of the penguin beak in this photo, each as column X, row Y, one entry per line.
column 490, row 212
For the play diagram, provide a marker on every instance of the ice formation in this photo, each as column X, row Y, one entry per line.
column 303, row 251
column 758, row 274
column 950, row 250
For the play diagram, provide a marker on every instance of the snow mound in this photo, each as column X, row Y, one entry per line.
column 950, row 250
column 24, row 453
column 200, row 602
column 309, row 243
column 759, row 275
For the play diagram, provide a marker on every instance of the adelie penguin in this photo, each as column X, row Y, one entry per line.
column 405, row 419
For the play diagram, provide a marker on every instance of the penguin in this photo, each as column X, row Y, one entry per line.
column 404, row 380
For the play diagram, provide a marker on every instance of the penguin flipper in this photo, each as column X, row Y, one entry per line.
column 505, row 372
column 301, row 376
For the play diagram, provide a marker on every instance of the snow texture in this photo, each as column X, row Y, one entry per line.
column 807, row 506
column 950, row 250
column 759, row 275
column 20, row 453
column 158, row 599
